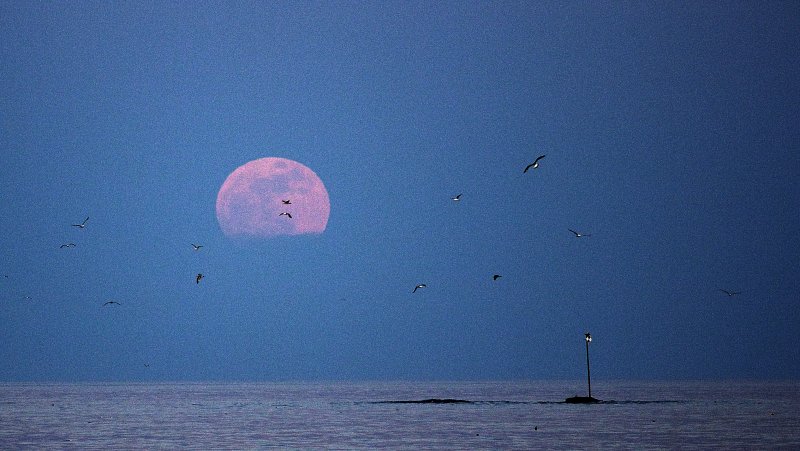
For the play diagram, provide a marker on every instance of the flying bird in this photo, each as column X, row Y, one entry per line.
column 730, row 293
column 67, row 245
column 197, row 246
column 422, row 285
column 286, row 214
column 286, row 202
column 496, row 276
column 111, row 302
column 578, row 234
column 81, row 225
column 199, row 276
column 533, row 165
column 456, row 198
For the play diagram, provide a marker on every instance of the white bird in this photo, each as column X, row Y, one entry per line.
column 533, row 165
column 578, row 234
column 81, row 225
column 730, row 293
column 456, row 198
column 286, row 214
column 197, row 246
column 422, row 285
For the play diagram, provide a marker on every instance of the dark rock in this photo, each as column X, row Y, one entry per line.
column 582, row 400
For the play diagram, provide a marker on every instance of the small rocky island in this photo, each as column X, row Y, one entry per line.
column 581, row 400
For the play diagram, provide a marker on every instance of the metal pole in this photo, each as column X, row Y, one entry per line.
column 588, row 373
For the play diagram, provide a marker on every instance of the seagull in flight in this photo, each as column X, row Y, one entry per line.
column 199, row 276
column 730, row 293
column 81, row 225
column 286, row 202
column 197, row 246
column 578, row 234
column 286, row 214
column 67, row 245
column 422, row 285
column 533, row 165
column 111, row 302
column 496, row 276
column 456, row 198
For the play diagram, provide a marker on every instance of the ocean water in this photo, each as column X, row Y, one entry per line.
column 365, row 415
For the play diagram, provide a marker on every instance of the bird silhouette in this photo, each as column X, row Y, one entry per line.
column 197, row 246
column 456, row 198
column 533, row 165
column 578, row 234
column 422, row 285
column 730, row 293
column 286, row 202
column 67, row 245
column 111, row 302
column 198, row 277
column 286, row 214
column 81, row 225
column 496, row 276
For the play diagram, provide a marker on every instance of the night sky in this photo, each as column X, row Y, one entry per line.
column 671, row 136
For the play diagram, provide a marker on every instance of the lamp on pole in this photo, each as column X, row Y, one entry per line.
column 585, row 399
column 588, row 372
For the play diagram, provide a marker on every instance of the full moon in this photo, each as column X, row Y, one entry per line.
column 252, row 200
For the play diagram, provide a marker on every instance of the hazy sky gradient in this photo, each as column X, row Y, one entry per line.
column 671, row 134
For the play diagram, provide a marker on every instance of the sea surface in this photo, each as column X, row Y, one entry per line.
column 366, row 415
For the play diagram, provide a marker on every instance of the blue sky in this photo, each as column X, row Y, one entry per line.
column 670, row 130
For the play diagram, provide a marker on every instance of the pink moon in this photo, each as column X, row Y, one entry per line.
column 251, row 200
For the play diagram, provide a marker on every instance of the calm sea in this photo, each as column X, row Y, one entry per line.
column 334, row 415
